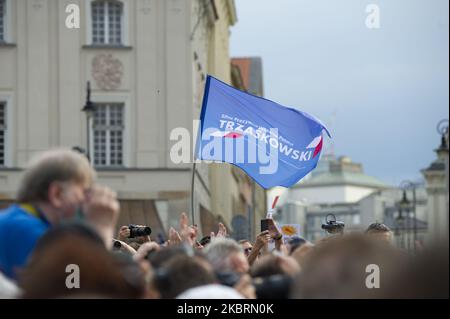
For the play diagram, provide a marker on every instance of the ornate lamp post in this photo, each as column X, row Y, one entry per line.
column 405, row 185
column 442, row 128
column 88, row 109
column 402, row 220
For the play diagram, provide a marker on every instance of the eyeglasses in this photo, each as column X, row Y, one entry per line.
column 248, row 250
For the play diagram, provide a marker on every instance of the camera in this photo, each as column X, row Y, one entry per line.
column 139, row 231
column 332, row 226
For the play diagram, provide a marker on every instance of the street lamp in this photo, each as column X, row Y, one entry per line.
column 442, row 128
column 88, row 109
column 404, row 206
column 405, row 185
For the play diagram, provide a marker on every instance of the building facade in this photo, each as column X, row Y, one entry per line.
column 338, row 187
column 146, row 62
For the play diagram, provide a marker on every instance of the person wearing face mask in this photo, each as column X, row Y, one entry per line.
column 57, row 187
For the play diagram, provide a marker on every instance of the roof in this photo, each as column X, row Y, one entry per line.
column 251, row 72
column 435, row 166
column 340, row 178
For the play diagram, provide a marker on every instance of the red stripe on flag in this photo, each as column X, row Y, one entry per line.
column 318, row 148
column 233, row 135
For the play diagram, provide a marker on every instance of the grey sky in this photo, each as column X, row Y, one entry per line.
column 381, row 91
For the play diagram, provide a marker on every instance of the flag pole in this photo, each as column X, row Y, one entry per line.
column 192, row 192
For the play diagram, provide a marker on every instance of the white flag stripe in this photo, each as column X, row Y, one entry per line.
column 315, row 142
column 219, row 134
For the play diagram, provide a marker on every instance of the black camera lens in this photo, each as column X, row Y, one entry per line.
column 333, row 226
column 139, row 231
column 117, row 244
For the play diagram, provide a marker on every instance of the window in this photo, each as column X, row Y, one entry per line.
column 107, row 22
column 2, row 133
column 2, row 20
column 108, row 134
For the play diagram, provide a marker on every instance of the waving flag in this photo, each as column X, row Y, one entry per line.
column 274, row 144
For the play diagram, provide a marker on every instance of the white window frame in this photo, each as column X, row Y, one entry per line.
column 7, row 38
column 124, row 25
column 114, row 99
column 8, row 100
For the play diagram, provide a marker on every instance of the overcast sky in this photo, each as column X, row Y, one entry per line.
column 380, row 91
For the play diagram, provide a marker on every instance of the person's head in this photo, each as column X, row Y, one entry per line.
column 340, row 268
column 302, row 253
column 246, row 246
column 294, row 243
column 380, row 231
column 270, row 265
column 182, row 273
column 58, row 180
column 71, row 254
column 226, row 255
column 161, row 257
column 424, row 277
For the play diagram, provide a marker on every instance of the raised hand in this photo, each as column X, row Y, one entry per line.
column 102, row 211
column 124, row 233
column 187, row 233
column 222, row 231
column 174, row 237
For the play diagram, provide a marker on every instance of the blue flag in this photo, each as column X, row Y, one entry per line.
column 274, row 144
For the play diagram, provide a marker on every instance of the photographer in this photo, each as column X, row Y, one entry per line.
column 58, row 186
column 134, row 235
column 253, row 251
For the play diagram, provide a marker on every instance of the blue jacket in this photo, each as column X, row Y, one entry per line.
column 19, row 232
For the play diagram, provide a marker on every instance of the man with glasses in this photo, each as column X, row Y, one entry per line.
column 253, row 251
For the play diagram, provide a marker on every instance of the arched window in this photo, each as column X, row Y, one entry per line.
column 107, row 22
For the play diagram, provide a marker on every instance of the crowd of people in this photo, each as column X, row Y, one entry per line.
column 64, row 226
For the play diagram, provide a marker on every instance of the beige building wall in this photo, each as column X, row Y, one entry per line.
column 224, row 187
column 158, row 73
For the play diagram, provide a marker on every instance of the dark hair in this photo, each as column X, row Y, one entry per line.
column 181, row 273
column 164, row 255
column 337, row 268
column 377, row 227
column 266, row 266
column 102, row 274
column 295, row 242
